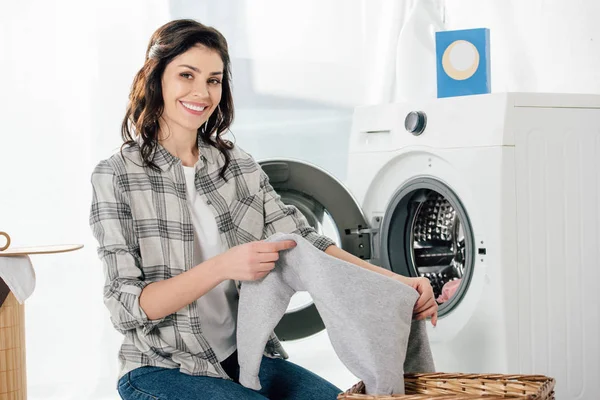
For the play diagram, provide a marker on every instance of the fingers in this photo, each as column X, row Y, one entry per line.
column 266, row 267
column 426, row 298
column 262, row 270
column 425, row 301
column 429, row 312
column 268, row 257
column 428, row 309
column 434, row 319
column 421, row 302
column 260, row 275
column 269, row 252
column 270, row 247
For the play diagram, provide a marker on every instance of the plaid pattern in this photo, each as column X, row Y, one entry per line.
column 145, row 234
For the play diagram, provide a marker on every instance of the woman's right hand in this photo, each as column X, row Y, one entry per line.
column 251, row 261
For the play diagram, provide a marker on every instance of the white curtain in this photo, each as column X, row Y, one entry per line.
column 536, row 45
column 299, row 69
column 66, row 68
column 400, row 49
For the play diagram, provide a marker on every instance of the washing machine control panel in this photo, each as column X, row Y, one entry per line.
column 415, row 122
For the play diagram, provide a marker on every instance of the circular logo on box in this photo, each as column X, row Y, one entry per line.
column 460, row 60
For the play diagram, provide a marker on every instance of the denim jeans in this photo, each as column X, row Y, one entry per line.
column 280, row 379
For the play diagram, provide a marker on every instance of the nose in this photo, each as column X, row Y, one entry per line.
column 201, row 90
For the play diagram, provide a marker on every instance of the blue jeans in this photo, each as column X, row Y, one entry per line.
column 280, row 379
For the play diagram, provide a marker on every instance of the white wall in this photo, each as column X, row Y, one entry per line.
column 537, row 45
column 66, row 76
column 299, row 68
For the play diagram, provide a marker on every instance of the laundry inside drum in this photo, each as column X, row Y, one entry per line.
column 437, row 243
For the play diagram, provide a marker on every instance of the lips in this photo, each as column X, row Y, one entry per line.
column 194, row 108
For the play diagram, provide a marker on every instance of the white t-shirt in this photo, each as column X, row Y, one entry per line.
column 218, row 307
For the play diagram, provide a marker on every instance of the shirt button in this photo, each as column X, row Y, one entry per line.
column 208, row 202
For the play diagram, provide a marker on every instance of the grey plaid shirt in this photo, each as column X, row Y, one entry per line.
column 141, row 220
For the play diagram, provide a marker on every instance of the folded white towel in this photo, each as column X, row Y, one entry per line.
column 18, row 273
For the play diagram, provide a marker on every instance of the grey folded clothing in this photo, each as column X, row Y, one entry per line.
column 368, row 317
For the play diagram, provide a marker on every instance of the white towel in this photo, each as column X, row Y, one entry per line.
column 19, row 276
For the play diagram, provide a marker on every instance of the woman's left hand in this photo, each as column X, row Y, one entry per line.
column 426, row 306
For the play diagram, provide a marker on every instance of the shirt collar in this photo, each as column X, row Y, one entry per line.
column 209, row 152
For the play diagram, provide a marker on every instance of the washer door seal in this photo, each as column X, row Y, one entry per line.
column 426, row 232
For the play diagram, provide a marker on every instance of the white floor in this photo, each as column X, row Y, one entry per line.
column 316, row 354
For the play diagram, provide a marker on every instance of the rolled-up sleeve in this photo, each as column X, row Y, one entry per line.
column 280, row 217
column 112, row 225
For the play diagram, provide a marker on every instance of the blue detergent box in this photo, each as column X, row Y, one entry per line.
column 463, row 62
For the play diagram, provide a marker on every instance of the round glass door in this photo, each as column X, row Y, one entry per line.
column 426, row 233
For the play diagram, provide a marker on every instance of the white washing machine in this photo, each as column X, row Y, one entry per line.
column 496, row 199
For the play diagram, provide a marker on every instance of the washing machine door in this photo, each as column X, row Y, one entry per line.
column 426, row 232
column 332, row 211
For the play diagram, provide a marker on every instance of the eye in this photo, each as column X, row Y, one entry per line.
column 214, row 81
column 186, row 75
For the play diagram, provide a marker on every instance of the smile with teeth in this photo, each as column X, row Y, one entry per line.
column 193, row 107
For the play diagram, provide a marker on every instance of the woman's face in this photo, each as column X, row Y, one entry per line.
column 191, row 88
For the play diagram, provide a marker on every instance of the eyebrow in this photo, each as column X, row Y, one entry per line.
column 197, row 70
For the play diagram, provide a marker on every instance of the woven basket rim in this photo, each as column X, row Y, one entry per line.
column 544, row 391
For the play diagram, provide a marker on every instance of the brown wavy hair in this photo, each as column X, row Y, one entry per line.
column 146, row 101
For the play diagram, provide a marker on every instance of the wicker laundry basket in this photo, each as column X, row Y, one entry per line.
column 438, row 386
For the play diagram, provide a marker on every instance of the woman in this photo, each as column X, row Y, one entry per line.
column 179, row 214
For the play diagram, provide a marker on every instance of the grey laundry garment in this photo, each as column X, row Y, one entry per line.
column 368, row 317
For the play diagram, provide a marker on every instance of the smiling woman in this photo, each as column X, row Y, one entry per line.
column 185, row 83
column 180, row 215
